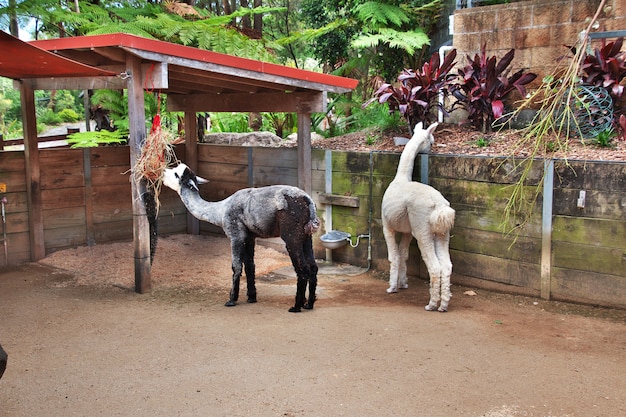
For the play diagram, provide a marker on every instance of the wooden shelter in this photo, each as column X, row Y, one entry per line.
column 194, row 80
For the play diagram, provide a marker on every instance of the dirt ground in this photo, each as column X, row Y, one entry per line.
column 82, row 343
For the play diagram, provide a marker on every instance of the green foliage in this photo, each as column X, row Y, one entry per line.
column 49, row 117
column 482, row 142
column 377, row 14
column 230, row 122
column 66, row 99
column 379, row 116
column 605, row 138
column 281, row 124
column 365, row 38
column 68, row 115
column 94, row 139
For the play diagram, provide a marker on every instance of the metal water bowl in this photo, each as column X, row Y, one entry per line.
column 335, row 239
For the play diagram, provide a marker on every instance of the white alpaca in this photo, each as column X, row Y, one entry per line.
column 412, row 209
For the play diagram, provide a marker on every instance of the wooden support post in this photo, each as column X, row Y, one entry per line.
column 33, row 173
column 191, row 159
column 137, row 138
column 305, row 166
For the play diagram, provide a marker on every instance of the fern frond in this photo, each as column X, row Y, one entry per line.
column 309, row 35
column 381, row 15
column 408, row 41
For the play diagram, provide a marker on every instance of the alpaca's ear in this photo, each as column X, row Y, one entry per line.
column 193, row 184
column 431, row 128
column 419, row 126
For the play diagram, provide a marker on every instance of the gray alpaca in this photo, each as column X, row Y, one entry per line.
column 411, row 209
column 274, row 211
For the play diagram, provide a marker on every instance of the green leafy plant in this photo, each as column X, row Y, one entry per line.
column 94, row 139
column 484, row 85
column 417, row 93
column 230, row 122
column 605, row 138
column 281, row 124
column 69, row 115
column 49, row 117
column 370, row 139
column 482, row 142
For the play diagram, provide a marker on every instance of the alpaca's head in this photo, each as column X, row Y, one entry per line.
column 422, row 139
column 181, row 176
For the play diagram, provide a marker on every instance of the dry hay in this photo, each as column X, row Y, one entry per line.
column 181, row 261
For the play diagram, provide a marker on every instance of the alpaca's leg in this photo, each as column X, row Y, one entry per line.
column 309, row 257
column 426, row 245
column 403, row 256
column 248, row 263
column 442, row 247
column 392, row 256
column 294, row 249
column 300, row 291
column 237, row 249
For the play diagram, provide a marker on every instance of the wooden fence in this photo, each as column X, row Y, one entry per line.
column 565, row 251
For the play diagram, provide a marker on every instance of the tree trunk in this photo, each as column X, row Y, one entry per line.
column 13, row 26
column 245, row 20
column 258, row 19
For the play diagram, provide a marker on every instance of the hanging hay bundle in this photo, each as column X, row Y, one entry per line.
column 157, row 153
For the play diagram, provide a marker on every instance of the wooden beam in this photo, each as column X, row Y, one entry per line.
column 339, row 200
column 136, row 140
column 153, row 76
column 309, row 102
column 33, row 173
column 76, row 83
column 305, row 165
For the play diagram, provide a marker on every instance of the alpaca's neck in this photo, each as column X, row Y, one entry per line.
column 212, row 212
column 405, row 167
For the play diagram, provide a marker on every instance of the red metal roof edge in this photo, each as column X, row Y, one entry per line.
column 181, row 51
column 21, row 60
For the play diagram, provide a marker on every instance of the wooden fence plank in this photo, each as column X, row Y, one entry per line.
column 110, row 175
column 63, row 197
column 496, row 244
column 590, row 258
column 64, row 217
column 513, row 273
column 69, row 236
column 217, row 154
column 588, row 287
column 596, row 232
column 64, row 177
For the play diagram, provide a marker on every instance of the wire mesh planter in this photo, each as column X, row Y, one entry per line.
column 587, row 112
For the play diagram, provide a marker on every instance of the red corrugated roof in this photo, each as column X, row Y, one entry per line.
column 20, row 60
column 180, row 51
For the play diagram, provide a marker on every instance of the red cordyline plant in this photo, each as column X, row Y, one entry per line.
column 606, row 67
column 416, row 94
column 484, row 85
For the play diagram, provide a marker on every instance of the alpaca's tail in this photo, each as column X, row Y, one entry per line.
column 442, row 220
column 314, row 222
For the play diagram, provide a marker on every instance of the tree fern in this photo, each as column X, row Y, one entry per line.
column 378, row 14
column 407, row 41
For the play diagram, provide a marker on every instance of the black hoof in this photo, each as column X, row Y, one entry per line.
column 251, row 300
column 294, row 310
column 230, row 303
column 308, row 306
